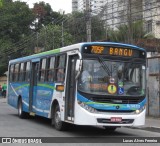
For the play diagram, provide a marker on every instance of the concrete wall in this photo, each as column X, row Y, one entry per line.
column 153, row 87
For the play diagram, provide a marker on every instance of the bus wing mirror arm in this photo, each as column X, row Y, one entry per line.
column 78, row 66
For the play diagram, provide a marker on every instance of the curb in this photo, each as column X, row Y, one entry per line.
column 150, row 128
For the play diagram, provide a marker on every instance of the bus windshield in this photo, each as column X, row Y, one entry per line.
column 109, row 77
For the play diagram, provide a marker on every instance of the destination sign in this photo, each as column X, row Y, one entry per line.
column 120, row 51
column 113, row 51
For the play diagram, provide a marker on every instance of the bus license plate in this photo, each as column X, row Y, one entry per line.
column 116, row 119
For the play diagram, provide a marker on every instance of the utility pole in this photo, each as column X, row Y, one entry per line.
column 88, row 20
column 62, row 35
column 63, row 30
column 53, row 39
column 130, row 29
column 53, row 33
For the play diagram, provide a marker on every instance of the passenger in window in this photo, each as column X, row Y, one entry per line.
column 60, row 72
column 120, row 72
column 50, row 75
column 27, row 76
column 60, row 75
column 85, row 74
column 42, row 76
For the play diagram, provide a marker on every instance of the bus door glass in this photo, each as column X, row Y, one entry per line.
column 33, row 86
column 70, row 89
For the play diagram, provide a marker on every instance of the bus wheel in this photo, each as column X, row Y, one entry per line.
column 110, row 129
column 21, row 113
column 58, row 124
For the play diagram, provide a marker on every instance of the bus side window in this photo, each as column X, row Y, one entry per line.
column 16, row 72
column 11, row 75
column 50, row 69
column 21, row 73
column 42, row 70
column 60, row 69
column 27, row 72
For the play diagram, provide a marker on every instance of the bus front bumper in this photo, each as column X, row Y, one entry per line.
column 83, row 117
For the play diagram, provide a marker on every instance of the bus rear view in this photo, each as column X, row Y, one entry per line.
column 111, row 87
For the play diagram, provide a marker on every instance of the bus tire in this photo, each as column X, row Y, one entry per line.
column 21, row 113
column 58, row 124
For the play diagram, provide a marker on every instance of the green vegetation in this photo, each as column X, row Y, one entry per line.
column 25, row 31
column 121, row 34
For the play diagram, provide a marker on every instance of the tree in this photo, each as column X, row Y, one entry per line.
column 15, row 18
column 121, row 33
column 98, row 30
column 76, row 25
column 50, row 37
column 44, row 15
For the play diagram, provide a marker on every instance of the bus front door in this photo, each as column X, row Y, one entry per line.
column 33, row 87
column 70, row 89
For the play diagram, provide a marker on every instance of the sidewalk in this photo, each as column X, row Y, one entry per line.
column 3, row 99
column 152, row 122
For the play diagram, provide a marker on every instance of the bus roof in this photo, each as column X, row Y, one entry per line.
column 71, row 47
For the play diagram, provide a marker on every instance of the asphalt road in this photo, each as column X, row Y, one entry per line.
column 12, row 126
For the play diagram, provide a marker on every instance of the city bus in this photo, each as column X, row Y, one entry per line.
column 93, row 83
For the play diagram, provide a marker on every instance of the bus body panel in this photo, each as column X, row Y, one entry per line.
column 16, row 90
column 58, row 96
column 42, row 98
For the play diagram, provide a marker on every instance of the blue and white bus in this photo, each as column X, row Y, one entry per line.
column 93, row 83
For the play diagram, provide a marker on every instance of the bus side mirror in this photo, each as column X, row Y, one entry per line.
column 78, row 67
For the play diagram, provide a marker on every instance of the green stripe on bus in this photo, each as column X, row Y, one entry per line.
column 21, row 86
column 108, row 104
column 42, row 85
column 48, row 52
column 48, row 86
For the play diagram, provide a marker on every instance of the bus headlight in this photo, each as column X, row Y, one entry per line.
column 86, row 107
column 140, row 110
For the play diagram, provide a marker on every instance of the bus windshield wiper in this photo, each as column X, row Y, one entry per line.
column 105, row 67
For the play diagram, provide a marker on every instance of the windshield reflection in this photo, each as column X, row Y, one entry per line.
column 106, row 77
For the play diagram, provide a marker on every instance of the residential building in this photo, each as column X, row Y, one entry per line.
column 151, row 15
column 95, row 6
column 118, row 12
column 74, row 5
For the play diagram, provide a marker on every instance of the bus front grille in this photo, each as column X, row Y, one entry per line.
column 108, row 121
column 117, row 100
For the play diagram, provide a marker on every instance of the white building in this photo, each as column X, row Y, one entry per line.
column 95, row 6
column 151, row 15
column 74, row 5
column 116, row 12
